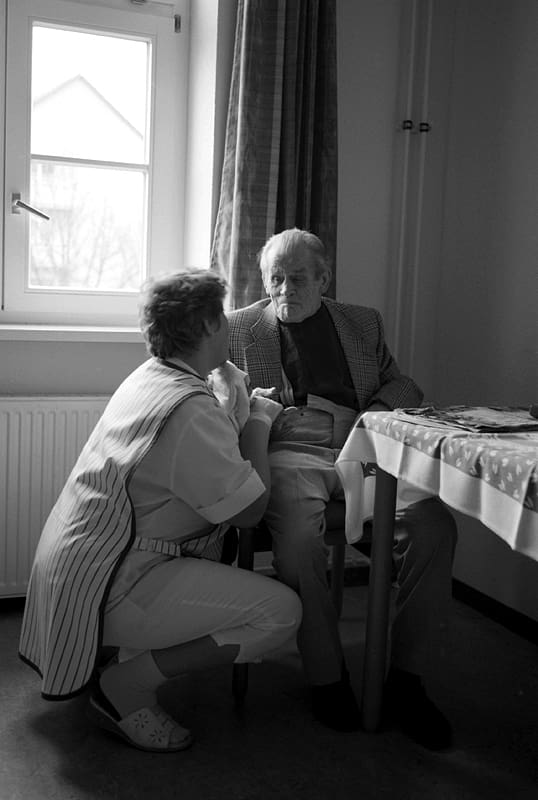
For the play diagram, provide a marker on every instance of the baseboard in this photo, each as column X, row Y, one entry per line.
column 514, row 620
column 12, row 603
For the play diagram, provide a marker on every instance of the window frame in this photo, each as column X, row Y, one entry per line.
column 167, row 146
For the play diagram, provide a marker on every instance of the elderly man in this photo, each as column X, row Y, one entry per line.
column 326, row 362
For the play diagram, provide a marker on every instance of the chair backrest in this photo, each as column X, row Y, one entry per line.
column 335, row 514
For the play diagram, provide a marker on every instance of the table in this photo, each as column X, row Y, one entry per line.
column 492, row 476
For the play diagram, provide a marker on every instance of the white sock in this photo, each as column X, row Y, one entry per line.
column 132, row 684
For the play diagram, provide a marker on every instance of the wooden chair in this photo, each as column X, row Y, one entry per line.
column 258, row 539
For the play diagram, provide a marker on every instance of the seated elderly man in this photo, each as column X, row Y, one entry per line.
column 327, row 362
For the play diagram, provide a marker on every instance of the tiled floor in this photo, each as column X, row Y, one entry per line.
column 273, row 748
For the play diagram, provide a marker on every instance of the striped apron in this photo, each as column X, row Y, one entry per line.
column 91, row 528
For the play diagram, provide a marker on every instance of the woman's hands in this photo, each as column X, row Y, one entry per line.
column 229, row 385
column 253, row 444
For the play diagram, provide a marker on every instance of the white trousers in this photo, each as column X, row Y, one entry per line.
column 303, row 479
column 183, row 599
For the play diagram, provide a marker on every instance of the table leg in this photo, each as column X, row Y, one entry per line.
column 377, row 620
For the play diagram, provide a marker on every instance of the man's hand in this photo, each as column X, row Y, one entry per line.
column 264, row 409
column 271, row 393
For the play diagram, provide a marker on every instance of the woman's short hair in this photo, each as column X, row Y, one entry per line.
column 289, row 240
column 174, row 309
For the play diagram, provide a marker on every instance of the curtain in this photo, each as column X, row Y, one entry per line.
column 280, row 160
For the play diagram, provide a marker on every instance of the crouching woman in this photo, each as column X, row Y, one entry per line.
column 129, row 556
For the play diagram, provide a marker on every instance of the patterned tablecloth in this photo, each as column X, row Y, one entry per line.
column 490, row 476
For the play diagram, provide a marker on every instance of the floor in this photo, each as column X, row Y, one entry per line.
column 273, row 748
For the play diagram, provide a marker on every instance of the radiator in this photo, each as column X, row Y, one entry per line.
column 40, row 440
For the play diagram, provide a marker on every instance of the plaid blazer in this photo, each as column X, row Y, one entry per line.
column 255, row 348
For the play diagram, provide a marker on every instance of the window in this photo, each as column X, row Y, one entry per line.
column 95, row 143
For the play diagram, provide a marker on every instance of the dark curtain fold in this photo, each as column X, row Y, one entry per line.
column 280, row 162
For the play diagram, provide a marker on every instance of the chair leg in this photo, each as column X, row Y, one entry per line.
column 245, row 548
column 240, row 682
column 337, row 576
column 245, row 560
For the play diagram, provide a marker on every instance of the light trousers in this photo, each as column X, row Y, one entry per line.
column 182, row 599
column 303, row 480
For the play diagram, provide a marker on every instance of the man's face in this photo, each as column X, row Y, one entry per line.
column 290, row 281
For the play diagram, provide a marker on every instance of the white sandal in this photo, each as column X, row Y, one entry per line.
column 149, row 729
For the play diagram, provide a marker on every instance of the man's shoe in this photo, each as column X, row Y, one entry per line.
column 335, row 706
column 406, row 704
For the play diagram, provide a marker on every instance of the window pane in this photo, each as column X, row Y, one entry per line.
column 89, row 95
column 95, row 237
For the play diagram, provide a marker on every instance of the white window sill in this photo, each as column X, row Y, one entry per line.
column 68, row 333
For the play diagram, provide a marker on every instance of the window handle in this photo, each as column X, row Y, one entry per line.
column 17, row 204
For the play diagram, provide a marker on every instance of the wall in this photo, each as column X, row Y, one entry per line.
column 212, row 24
column 368, row 54
column 487, row 331
column 66, row 368
column 486, row 323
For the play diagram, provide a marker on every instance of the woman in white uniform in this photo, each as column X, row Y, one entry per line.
column 128, row 558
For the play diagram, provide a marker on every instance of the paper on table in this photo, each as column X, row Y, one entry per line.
column 501, row 419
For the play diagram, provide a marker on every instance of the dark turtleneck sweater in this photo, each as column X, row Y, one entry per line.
column 314, row 361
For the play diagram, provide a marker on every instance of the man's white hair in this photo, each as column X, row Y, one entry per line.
column 290, row 239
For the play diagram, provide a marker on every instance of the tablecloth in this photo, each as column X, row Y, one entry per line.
column 490, row 476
